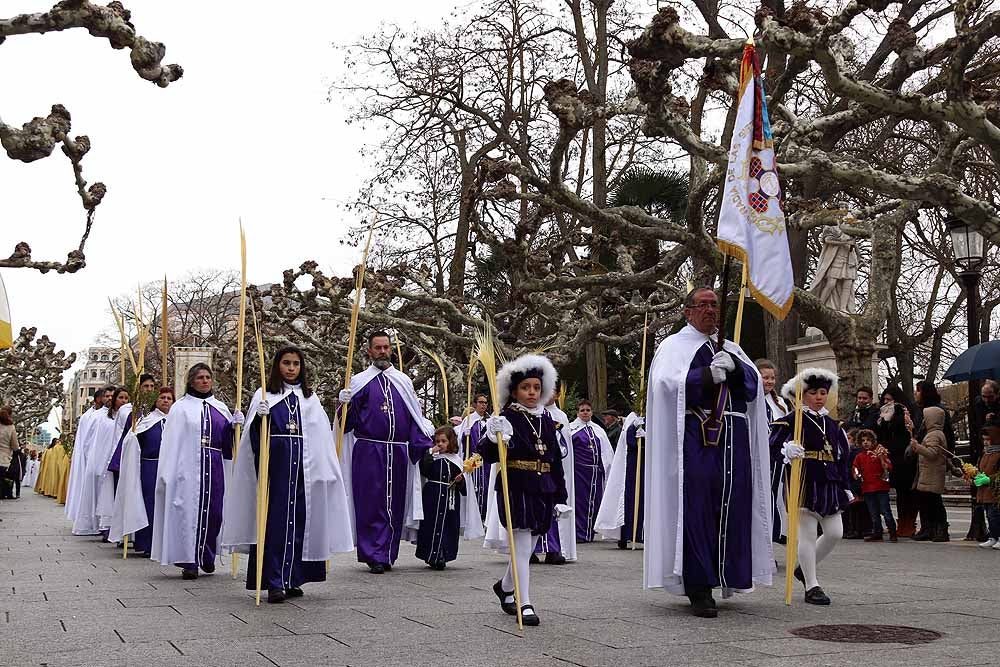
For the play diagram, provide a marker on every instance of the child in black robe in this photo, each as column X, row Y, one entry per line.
column 444, row 486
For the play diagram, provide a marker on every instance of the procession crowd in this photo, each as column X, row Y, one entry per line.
column 703, row 478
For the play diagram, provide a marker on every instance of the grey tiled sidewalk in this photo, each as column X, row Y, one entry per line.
column 66, row 600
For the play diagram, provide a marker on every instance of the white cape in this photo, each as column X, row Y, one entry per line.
column 496, row 534
column 663, row 556
column 611, row 515
column 328, row 520
column 78, row 464
column 178, row 483
column 464, row 431
column 129, row 512
column 414, row 512
column 30, row 474
column 104, row 478
column 87, row 521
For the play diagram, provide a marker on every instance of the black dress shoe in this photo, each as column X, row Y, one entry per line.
column 439, row 565
column 553, row 558
column 294, row 592
column 623, row 544
column 782, row 539
column 275, row 595
column 534, row 559
column 387, row 567
column 189, row 574
column 376, row 568
column 816, row 595
column 703, row 606
column 208, row 568
column 502, row 595
column 529, row 619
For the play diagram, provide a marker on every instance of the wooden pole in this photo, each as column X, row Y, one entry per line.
column 359, row 283
column 486, row 352
column 738, row 328
column 794, row 500
column 399, row 353
column 164, row 336
column 264, row 461
column 241, row 327
column 639, row 441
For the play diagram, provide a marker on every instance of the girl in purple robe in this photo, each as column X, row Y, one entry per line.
column 534, row 470
column 149, row 459
column 826, row 475
column 592, row 454
column 444, row 486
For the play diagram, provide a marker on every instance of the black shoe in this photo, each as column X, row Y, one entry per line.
column 189, row 574
column 782, row 539
column 703, row 606
column 502, row 595
column 798, row 575
column 439, row 565
column 534, row 559
column 208, row 568
column 376, row 568
column 816, row 595
column 529, row 619
column 623, row 544
column 275, row 595
column 387, row 567
column 294, row 592
column 923, row 536
column 553, row 558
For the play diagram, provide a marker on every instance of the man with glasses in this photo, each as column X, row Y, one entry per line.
column 470, row 431
column 708, row 500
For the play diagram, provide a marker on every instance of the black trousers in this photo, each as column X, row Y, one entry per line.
column 932, row 511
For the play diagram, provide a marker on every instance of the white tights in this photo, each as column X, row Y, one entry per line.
column 524, row 546
column 813, row 550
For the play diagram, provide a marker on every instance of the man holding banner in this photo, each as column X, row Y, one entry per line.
column 708, row 502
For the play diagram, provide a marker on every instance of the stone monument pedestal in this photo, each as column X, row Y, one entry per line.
column 184, row 359
column 814, row 351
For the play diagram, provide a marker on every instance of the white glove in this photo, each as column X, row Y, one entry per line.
column 850, row 496
column 499, row 425
column 721, row 364
column 793, row 450
column 238, row 418
column 639, row 422
column 263, row 409
column 640, row 432
column 345, row 396
column 563, row 510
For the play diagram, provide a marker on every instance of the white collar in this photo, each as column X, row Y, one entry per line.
column 822, row 411
column 536, row 411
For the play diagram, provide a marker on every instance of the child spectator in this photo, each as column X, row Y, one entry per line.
column 986, row 495
column 857, row 523
column 872, row 467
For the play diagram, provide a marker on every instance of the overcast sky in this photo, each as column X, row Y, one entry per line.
column 247, row 132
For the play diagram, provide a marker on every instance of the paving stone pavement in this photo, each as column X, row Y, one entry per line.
column 71, row 601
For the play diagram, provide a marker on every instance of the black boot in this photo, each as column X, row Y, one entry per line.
column 924, row 534
column 702, row 602
column 940, row 533
column 554, row 558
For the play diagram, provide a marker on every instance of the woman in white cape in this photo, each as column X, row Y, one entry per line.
column 308, row 519
column 195, row 459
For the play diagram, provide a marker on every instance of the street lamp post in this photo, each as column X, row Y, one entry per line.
column 968, row 246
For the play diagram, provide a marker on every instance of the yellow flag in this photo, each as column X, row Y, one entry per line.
column 6, row 332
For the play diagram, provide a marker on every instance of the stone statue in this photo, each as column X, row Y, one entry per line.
column 833, row 284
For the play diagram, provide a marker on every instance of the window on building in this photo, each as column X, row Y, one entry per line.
column 93, row 375
column 104, row 357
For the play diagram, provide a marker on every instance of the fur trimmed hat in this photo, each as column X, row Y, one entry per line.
column 812, row 378
column 526, row 366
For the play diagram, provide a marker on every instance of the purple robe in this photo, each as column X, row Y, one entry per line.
column 631, row 459
column 388, row 439
column 149, row 460
column 718, row 481
column 437, row 539
column 216, row 445
column 589, row 474
column 534, row 494
column 286, row 510
column 480, row 476
column 824, row 483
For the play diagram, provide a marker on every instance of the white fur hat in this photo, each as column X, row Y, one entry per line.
column 528, row 365
column 812, row 378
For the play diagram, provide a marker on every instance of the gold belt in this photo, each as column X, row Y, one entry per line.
column 819, row 456
column 531, row 466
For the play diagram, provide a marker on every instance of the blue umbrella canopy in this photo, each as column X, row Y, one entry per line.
column 980, row 362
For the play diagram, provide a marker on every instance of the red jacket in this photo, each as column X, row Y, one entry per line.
column 869, row 468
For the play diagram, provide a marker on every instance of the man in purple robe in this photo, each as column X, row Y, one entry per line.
column 386, row 436
column 592, row 456
column 470, row 432
column 707, row 503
